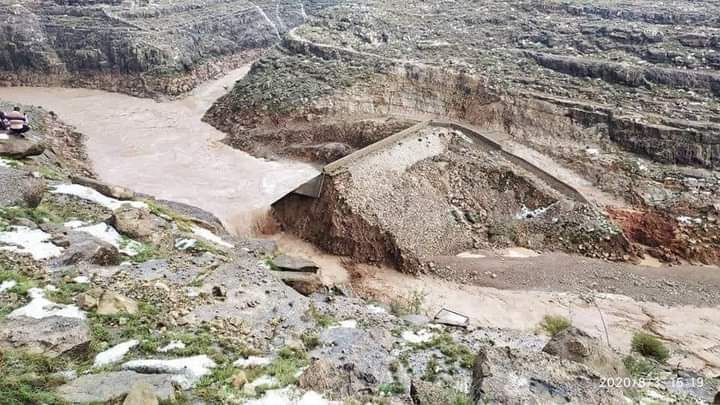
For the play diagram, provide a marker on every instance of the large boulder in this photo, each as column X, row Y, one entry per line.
column 575, row 345
column 139, row 223
column 109, row 190
column 50, row 336
column 81, row 247
column 20, row 148
column 292, row 263
column 304, row 283
column 113, row 386
column 20, row 188
column 504, row 375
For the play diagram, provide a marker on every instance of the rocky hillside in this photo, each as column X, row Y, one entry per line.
column 107, row 296
column 620, row 97
column 140, row 47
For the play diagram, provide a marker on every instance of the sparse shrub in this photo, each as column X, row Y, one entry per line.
column 650, row 346
column 456, row 397
column 310, row 340
column 639, row 367
column 409, row 304
column 393, row 388
column 554, row 324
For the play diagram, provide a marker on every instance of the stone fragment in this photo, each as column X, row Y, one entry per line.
column 112, row 303
column 292, row 263
column 20, row 188
column 82, row 247
column 141, row 393
column 51, row 336
column 109, row 190
column 304, row 283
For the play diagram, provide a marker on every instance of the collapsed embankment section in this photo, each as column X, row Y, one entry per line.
column 442, row 189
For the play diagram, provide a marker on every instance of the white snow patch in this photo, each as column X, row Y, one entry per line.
column 174, row 345
column 210, row 237
column 253, row 361
column 420, row 336
column 592, row 151
column 185, row 244
column 34, row 242
column 4, row 137
column 689, row 220
column 350, row 323
column 471, row 255
column 192, row 368
column 90, row 194
column 81, row 280
column 114, row 354
column 74, row 224
column 108, row 234
column 40, row 307
column 290, row 396
column 374, row 309
column 6, row 285
column 527, row 213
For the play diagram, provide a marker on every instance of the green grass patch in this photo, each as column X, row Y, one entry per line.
column 650, row 346
column 27, row 378
column 453, row 351
column 23, row 283
column 322, row 319
column 639, row 366
column 393, row 388
column 554, row 324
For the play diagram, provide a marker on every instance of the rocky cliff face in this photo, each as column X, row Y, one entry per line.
column 138, row 47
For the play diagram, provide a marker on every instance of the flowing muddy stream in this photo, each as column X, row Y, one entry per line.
column 165, row 150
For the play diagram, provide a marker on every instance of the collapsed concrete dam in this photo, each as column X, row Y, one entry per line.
column 439, row 189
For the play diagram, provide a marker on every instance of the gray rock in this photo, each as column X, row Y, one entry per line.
column 109, row 190
column 424, row 393
column 20, row 188
column 504, row 375
column 575, row 345
column 20, row 148
column 110, row 386
column 139, row 223
column 51, row 336
column 451, row 318
column 416, row 319
column 304, row 283
column 291, row 263
column 362, row 357
column 81, row 247
column 320, row 376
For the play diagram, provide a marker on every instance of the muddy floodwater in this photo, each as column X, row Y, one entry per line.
column 165, row 150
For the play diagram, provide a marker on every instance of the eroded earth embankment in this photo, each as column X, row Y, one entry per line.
column 647, row 149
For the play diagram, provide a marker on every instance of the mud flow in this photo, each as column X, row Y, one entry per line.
column 165, row 150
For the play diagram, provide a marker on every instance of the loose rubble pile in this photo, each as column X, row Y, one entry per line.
column 106, row 296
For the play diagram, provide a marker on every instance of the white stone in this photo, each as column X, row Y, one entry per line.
column 7, row 284
column 74, row 224
column 291, row 396
column 81, row 280
column 253, row 361
column 420, row 336
column 174, row 345
column 108, row 234
column 190, row 368
column 350, row 323
column 26, row 241
column 90, row 194
column 374, row 309
column 185, row 244
column 210, row 237
column 114, row 354
column 39, row 307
